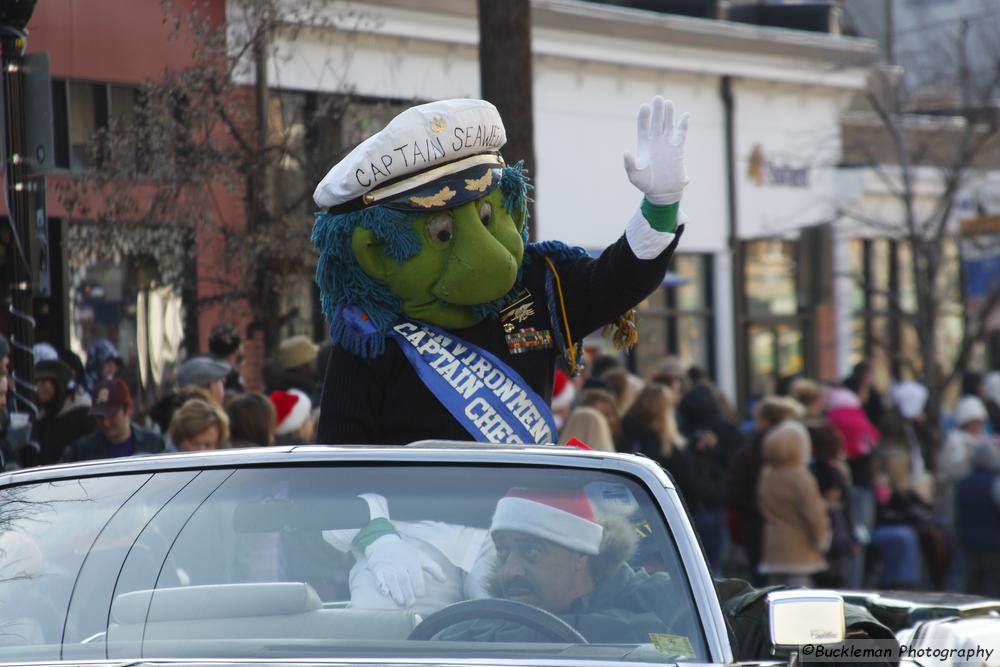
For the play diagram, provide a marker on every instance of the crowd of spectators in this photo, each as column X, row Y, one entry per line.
column 830, row 484
column 87, row 411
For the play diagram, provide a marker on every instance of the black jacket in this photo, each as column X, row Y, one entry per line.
column 638, row 438
column 58, row 429
column 383, row 401
column 95, row 445
column 700, row 414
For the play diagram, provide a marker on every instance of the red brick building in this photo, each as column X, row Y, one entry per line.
column 101, row 52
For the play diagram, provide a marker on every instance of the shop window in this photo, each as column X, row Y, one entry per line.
column 125, row 288
column 297, row 304
column 774, row 328
column 769, row 277
column 79, row 110
column 884, row 300
column 124, row 101
column 907, row 288
column 760, row 343
column 878, row 281
column 912, row 362
column 87, row 112
column 790, row 354
column 857, row 273
column 651, row 317
column 858, row 338
column 880, row 356
column 677, row 320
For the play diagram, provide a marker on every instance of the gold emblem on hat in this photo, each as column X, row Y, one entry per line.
column 103, row 395
column 438, row 125
column 439, row 199
column 479, row 184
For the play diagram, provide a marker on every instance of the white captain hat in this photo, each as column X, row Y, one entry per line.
column 430, row 157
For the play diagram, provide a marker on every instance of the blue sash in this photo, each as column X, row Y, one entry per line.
column 487, row 397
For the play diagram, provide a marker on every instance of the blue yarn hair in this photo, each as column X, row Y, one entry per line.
column 345, row 288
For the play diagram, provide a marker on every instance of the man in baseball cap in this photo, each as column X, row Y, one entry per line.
column 117, row 435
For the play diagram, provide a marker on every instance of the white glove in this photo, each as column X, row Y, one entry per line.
column 657, row 169
column 399, row 567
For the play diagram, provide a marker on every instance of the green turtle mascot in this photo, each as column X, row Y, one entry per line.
column 446, row 323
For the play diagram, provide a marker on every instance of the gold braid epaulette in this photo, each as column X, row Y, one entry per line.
column 624, row 333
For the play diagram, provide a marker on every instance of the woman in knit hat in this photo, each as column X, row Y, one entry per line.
column 953, row 462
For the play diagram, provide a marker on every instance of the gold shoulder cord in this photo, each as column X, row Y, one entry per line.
column 570, row 348
column 624, row 333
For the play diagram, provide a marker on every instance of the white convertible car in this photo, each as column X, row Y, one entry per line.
column 436, row 553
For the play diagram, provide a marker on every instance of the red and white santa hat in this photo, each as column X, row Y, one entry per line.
column 563, row 391
column 563, row 516
column 293, row 408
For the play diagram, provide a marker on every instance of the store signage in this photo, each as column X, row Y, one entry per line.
column 762, row 170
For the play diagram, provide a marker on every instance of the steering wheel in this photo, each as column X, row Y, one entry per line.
column 526, row 615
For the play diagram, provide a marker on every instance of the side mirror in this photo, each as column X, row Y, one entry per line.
column 801, row 617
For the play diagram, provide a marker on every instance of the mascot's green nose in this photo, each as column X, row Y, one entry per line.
column 480, row 268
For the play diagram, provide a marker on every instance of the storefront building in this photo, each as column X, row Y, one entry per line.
column 95, row 285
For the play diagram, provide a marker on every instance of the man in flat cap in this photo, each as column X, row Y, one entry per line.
column 446, row 322
column 207, row 373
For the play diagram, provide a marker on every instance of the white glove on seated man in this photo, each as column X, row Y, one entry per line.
column 398, row 567
column 657, row 170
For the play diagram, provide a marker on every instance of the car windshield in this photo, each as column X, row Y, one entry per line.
column 343, row 561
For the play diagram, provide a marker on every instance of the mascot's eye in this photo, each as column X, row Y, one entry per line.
column 486, row 212
column 441, row 228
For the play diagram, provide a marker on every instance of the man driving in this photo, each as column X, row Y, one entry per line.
column 545, row 547
column 554, row 553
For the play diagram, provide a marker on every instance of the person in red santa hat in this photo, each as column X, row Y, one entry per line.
column 563, row 394
column 554, row 552
column 296, row 425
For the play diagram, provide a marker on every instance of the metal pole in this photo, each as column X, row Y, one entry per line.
column 18, row 195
